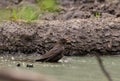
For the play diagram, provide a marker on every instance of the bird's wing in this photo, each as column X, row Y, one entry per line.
column 54, row 51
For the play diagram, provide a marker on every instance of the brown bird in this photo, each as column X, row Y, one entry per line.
column 55, row 54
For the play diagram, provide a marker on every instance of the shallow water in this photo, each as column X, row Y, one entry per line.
column 71, row 69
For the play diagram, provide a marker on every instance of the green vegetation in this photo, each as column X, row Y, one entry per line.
column 97, row 14
column 29, row 12
column 4, row 14
column 48, row 5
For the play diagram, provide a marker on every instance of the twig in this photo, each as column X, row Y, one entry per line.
column 103, row 68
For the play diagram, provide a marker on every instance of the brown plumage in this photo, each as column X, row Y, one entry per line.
column 55, row 54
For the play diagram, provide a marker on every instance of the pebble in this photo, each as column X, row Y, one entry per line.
column 30, row 65
column 18, row 65
column 12, row 58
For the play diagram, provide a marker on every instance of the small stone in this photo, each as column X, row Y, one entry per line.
column 23, row 64
column 12, row 58
column 18, row 65
column 29, row 65
column 1, row 57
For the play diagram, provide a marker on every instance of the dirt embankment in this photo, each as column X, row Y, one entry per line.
column 91, row 26
column 72, row 9
column 84, row 9
column 86, row 35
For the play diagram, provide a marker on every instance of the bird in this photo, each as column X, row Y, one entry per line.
column 55, row 54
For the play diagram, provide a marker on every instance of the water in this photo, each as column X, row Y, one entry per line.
column 72, row 69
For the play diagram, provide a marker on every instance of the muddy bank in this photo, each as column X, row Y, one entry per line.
column 86, row 35
column 91, row 25
column 74, row 9
column 85, row 9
